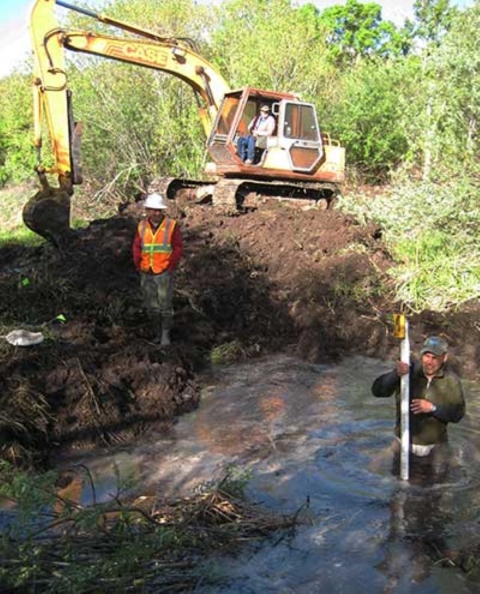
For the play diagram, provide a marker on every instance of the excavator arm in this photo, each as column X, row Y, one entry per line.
column 48, row 212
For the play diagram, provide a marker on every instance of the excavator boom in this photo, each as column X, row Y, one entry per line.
column 48, row 212
column 297, row 161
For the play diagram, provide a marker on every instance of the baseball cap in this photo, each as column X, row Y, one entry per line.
column 265, row 108
column 435, row 345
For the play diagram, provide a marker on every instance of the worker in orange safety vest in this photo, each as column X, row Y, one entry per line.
column 157, row 250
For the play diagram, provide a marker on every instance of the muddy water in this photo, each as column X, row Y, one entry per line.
column 313, row 436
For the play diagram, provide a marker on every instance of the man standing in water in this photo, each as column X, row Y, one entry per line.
column 436, row 399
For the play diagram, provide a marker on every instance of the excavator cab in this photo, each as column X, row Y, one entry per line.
column 295, row 148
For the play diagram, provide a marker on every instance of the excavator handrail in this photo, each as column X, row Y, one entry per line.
column 327, row 139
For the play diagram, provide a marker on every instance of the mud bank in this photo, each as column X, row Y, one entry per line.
column 276, row 279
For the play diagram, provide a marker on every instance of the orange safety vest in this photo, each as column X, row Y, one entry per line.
column 156, row 247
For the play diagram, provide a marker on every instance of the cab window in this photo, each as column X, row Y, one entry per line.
column 300, row 122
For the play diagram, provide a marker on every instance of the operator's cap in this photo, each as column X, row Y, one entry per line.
column 435, row 345
column 155, row 201
column 265, row 108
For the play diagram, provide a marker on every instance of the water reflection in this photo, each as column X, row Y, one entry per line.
column 420, row 523
column 310, row 432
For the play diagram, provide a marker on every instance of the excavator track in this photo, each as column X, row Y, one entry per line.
column 225, row 197
column 230, row 196
column 222, row 194
column 175, row 187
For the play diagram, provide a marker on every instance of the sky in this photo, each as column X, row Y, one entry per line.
column 14, row 14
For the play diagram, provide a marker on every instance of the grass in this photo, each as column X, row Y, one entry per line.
column 12, row 227
column 20, row 235
column 452, row 264
column 227, row 353
column 432, row 231
column 13, row 200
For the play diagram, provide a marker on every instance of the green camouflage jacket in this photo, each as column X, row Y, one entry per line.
column 444, row 391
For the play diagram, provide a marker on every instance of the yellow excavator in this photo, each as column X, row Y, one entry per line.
column 299, row 161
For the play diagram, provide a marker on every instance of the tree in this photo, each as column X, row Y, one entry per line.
column 271, row 44
column 369, row 116
column 451, row 78
column 357, row 30
column 16, row 136
column 433, row 18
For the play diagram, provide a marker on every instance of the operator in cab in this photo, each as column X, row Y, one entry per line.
column 260, row 128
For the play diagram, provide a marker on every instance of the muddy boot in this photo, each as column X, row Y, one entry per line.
column 166, row 325
column 165, row 341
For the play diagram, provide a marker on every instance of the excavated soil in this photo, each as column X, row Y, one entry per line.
column 277, row 278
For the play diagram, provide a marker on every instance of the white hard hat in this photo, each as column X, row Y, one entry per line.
column 155, row 201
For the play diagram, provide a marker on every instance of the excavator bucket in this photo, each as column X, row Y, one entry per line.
column 48, row 214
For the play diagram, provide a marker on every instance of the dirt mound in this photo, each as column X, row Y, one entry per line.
column 276, row 278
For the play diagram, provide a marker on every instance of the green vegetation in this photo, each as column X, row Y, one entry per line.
column 19, row 234
column 55, row 544
column 227, row 353
column 432, row 231
column 356, row 30
column 403, row 100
